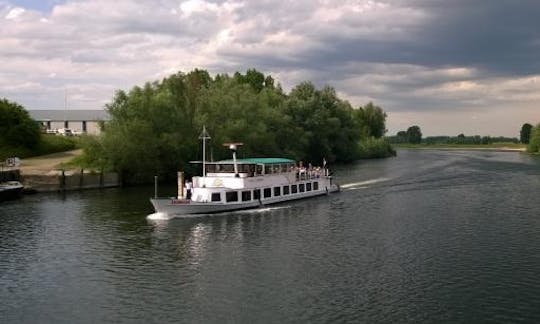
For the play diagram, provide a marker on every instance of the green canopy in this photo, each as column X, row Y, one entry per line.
column 259, row 161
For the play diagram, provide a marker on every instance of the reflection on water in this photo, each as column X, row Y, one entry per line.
column 425, row 237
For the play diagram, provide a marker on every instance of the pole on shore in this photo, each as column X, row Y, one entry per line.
column 155, row 186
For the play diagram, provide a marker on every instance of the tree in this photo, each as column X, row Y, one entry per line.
column 402, row 137
column 371, row 120
column 414, row 135
column 534, row 143
column 17, row 128
column 525, row 133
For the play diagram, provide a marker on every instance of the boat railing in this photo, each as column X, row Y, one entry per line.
column 306, row 174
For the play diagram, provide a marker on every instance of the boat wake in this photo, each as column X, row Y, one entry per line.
column 362, row 184
column 355, row 188
column 158, row 216
column 260, row 210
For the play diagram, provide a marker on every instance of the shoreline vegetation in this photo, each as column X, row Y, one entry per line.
column 499, row 147
column 411, row 138
column 154, row 129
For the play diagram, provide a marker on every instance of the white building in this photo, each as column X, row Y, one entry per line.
column 79, row 121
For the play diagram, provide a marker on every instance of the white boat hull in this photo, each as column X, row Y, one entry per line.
column 188, row 208
column 10, row 190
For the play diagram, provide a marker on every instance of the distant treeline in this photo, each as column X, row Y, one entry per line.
column 460, row 139
column 413, row 135
column 154, row 129
column 471, row 140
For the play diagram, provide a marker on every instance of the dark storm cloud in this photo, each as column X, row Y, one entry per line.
column 498, row 37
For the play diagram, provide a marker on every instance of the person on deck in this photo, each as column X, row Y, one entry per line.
column 189, row 186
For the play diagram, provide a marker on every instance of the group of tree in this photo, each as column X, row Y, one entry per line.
column 413, row 135
column 154, row 129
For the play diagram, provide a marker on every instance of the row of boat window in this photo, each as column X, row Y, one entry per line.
column 247, row 195
column 251, row 169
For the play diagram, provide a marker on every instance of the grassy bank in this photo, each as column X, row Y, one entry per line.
column 493, row 146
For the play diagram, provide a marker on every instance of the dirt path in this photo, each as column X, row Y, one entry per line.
column 46, row 163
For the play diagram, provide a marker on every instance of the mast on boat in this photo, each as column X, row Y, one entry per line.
column 233, row 147
column 204, row 136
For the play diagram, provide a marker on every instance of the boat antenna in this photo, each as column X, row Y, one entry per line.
column 233, row 147
column 204, row 136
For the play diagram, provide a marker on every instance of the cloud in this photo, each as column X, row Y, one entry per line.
column 415, row 58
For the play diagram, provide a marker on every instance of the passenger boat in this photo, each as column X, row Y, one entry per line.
column 246, row 183
column 10, row 190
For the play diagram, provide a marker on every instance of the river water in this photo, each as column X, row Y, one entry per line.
column 428, row 236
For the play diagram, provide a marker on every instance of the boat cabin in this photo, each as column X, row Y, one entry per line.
column 252, row 167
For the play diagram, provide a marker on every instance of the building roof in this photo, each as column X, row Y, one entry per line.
column 69, row 115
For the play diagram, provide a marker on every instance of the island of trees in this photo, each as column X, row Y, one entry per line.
column 154, row 128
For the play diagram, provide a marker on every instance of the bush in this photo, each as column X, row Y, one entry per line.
column 372, row 147
column 51, row 143
column 17, row 129
column 47, row 144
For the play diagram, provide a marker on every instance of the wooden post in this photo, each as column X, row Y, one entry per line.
column 81, row 179
column 63, row 181
column 180, row 185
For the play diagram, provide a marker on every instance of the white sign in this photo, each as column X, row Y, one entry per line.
column 13, row 162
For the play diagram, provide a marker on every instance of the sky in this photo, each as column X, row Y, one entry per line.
column 448, row 66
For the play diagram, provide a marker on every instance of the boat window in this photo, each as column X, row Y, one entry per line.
column 277, row 191
column 224, row 168
column 315, row 185
column 246, row 195
column 231, row 196
column 301, row 187
column 216, row 196
column 308, row 186
column 257, row 194
column 259, row 169
column 245, row 168
column 285, row 190
column 210, row 168
column 267, row 192
column 294, row 189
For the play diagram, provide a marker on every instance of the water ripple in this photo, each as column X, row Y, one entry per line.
column 430, row 237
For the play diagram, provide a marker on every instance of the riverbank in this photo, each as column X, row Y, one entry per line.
column 497, row 147
column 48, row 173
